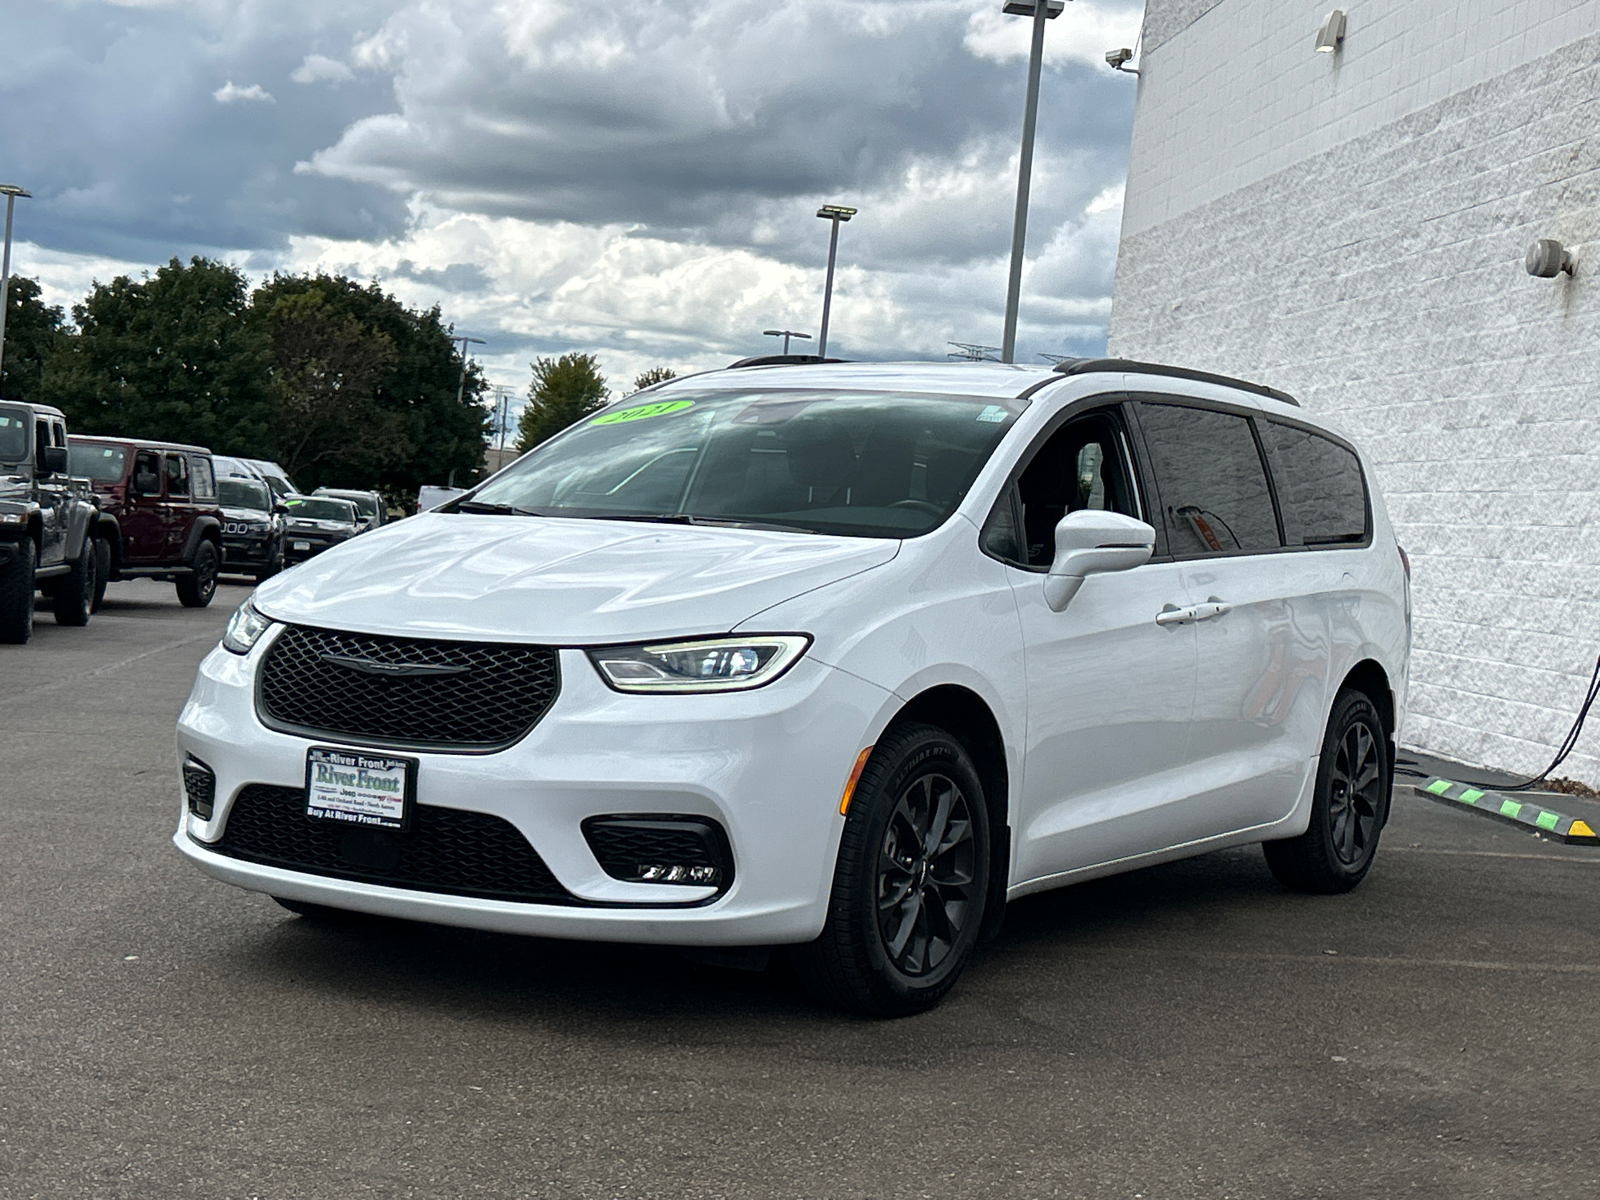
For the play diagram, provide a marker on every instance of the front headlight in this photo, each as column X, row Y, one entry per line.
column 245, row 628
column 13, row 518
column 732, row 664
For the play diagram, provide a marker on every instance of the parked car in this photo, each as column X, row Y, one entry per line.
column 47, row 523
column 835, row 657
column 159, row 513
column 369, row 505
column 430, row 496
column 270, row 473
column 316, row 523
column 253, row 528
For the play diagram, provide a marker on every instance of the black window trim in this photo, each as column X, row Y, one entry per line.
column 1114, row 403
column 1252, row 415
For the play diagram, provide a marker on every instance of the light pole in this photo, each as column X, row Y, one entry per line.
column 10, row 191
column 461, row 387
column 838, row 214
column 1040, row 11
column 785, row 334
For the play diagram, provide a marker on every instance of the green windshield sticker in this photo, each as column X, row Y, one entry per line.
column 642, row 412
column 994, row 414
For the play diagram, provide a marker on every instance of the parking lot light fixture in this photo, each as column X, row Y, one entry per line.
column 1040, row 11
column 461, row 385
column 785, row 334
column 10, row 191
column 838, row 214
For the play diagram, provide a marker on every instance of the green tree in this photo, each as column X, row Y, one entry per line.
column 652, row 377
column 326, row 369
column 564, row 391
column 173, row 355
column 34, row 331
column 437, row 437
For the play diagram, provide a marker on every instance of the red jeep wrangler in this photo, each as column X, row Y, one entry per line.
column 159, row 516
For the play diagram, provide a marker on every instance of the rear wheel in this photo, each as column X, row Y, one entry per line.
column 1349, row 808
column 73, row 597
column 16, row 595
column 909, row 889
column 196, row 588
column 102, row 572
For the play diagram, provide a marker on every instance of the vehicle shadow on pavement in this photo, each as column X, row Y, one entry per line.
column 479, row 973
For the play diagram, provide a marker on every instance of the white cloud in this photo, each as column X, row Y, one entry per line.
column 1082, row 33
column 232, row 93
column 319, row 68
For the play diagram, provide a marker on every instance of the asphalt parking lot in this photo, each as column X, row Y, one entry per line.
column 1190, row 1030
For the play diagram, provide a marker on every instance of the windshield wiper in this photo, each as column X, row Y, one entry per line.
column 495, row 510
column 690, row 519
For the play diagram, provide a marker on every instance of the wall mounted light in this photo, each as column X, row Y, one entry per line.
column 1331, row 32
column 1118, row 60
column 1548, row 258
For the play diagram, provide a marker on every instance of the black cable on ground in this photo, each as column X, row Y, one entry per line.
column 1567, row 746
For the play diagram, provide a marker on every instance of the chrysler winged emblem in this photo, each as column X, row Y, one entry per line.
column 367, row 666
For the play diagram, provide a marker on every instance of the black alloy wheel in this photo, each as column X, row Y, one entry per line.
column 1348, row 809
column 911, row 882
column 73, row 596
column 16, row 594
column 196, row 589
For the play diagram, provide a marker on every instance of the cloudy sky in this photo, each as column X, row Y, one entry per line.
column 636, row 177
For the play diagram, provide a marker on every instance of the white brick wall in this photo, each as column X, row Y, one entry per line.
column 1239, row 93
column 1365, row 252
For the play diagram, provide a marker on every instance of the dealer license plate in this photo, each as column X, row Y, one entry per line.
column 359, row 788
column 302, row 545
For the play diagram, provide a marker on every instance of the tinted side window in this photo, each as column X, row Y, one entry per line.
column 1213, row 486
column 1320, row 488
column 177, row 475
column 204, row 486
column 147, row 473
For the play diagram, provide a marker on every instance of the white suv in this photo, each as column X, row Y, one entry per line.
column 840, row 657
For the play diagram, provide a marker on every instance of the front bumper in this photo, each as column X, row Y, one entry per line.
column 246, row 550
column 768, row 765
column 315, row 544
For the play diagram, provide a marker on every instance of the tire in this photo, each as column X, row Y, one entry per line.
column 1349, row 808
column 900, row 957
column 16, row 595
column 102, row 572
column 73, row 598
column 196, row 589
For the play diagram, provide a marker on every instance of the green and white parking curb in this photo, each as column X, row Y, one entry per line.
column 1572, row 830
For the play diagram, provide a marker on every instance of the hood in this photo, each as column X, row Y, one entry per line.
column 562, row 581
column 246, row 514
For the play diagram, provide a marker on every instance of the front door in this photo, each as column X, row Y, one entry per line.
column 1110, row 691
column 51, row 490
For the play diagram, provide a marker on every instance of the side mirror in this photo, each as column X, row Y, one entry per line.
column 1092, row 542
column 52, row 460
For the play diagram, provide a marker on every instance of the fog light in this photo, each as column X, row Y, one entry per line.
column 662, row 848
column 677, row 873
column 200, row 786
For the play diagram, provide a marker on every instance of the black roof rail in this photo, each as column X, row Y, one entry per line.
column 783, row 360
column 1091, row 366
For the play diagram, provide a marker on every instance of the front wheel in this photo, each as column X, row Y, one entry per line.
column 912, row 878
column 73, row 597
column 1349, row 808
column 16, row 594
column 196, row 588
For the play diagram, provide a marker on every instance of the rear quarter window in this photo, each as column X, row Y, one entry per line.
column 1321, row 491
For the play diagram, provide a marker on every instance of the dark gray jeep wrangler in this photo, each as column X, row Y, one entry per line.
column 47, row 523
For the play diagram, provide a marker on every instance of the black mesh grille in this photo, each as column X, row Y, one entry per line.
column 446, row 850
column 491, row 696
column 624, row 846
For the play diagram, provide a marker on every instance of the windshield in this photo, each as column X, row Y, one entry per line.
column 867, row 464
column 321, row 510
column 365, row 505
column 14, row 424
column 103, row 464
column 243, row 493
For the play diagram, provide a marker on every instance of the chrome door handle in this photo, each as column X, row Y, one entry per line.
column 1177, row 616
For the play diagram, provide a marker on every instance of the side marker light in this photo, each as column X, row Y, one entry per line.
column 855, row 778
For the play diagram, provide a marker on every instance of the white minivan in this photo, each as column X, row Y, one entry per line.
column 838, row 657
